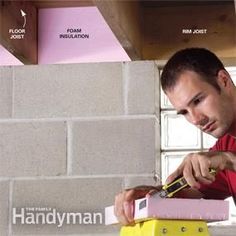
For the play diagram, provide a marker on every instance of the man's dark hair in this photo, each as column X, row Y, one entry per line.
column 199, row 60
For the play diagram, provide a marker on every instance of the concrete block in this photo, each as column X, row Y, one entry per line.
column 157, row 85
column 92, row 234
column 5, row 92
column 113, row 146
column 4, row 207
column 222, row 230
column 133, row 181
column 68, row 90
column 158, row 169
column 140, row 78
column 32, row 149
column 78, row 195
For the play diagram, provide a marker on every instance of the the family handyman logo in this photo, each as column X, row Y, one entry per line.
column 51, row 216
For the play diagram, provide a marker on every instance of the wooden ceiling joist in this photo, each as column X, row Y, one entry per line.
column 62, row 3
column 18, row 29
column 145, row 29
column 171, row 28
column 124, row 19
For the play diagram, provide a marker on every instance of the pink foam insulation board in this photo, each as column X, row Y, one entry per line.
column 76, row 34
column 6, row 58
column 175, row 208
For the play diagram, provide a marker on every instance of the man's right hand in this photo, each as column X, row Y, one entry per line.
column 124, row 202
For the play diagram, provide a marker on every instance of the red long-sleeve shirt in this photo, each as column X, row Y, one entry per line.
column 225, row 183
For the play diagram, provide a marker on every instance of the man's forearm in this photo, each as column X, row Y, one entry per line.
column 230, row 161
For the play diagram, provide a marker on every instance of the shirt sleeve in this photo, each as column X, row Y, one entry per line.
column 219, row 188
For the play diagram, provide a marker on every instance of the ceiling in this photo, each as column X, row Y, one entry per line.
column 145, row 29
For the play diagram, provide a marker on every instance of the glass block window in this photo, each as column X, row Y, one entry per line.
column 208, row 140
column 232, row 72
column 165, row 103
column 175, row 132
column 178, row 138
column 169, row 162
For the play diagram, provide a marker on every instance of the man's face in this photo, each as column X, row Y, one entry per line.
column 202, row 104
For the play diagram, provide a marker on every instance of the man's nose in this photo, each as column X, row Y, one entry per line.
column 198, row 119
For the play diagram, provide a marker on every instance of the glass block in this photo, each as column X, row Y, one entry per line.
column 208, row 141
column 232, row 72
column 169, row 162
column 165, row 102
column 177, row 133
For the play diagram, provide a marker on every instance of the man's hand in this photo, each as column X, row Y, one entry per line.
column 124, row 202
column 196, row 167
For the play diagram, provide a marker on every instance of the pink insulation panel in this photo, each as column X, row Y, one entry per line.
column 6, row 58
column 76, row 34
column 175, row 208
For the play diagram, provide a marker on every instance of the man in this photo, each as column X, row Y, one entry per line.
column 200, row 89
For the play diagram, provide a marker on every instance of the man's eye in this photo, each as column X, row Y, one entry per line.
column 197, row 101
column 184, row 112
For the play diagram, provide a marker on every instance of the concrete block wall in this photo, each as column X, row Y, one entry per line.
column 72, row 137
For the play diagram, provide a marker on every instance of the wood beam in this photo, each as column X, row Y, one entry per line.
column 62, row 3
column 124, row 19
column 183, row 3
column 18, row 39
column 235, row 6
column 164, row 30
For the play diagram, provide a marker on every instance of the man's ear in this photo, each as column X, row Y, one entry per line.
column 223, row 78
